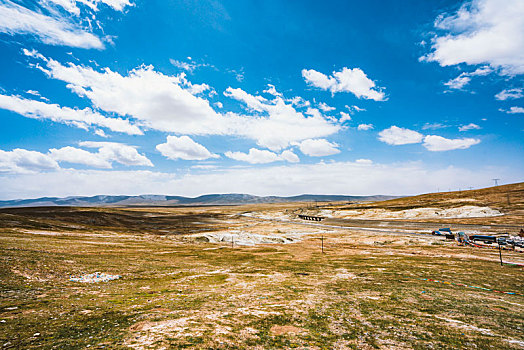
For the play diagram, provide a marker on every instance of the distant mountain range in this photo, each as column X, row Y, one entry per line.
column 160, row 200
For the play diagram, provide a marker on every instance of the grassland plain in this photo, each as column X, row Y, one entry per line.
column 366, row 291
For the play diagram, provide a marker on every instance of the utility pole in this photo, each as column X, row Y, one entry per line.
column 322, row 240
column 496, row 181
column 500, row 254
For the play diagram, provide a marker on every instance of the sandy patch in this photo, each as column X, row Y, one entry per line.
column 286, row 330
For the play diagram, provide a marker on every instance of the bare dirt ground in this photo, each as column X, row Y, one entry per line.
column 373, row 287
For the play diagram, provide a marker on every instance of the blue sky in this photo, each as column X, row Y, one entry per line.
column 268, row 98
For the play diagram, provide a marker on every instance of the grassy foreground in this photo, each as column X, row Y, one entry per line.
column 365, row 292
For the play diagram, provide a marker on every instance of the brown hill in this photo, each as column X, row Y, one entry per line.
column 508, row 199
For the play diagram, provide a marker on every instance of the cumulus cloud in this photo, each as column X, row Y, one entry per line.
column 118, row 152
column 289, row 156
column 255, row 156
column 184, row 147
column 344, row 117
column 16, row 19
column 256, row 103
column 470, row 126
column 347, row 80
column 509, row 94
column 438, row 143
column 318, row 147
column 283, row 124
column 82, row 118
column 25, row 161
column 272, row 90
column 459, row 82
column 513, row 110
column 399, row 136
column 365, row 127
column 79, row 156
column 364, row 161
column 168, row 103
column 482, row 32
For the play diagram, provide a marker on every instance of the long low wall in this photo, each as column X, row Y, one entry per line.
column 311, row 218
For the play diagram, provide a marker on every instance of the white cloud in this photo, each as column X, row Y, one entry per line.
column 21, row 161
column 364, row 161
column 345, row 178
column 24, row 161
column 272, row 91
column 118, row 152
column 33, row 92
column 117, row 5
column 355, row 108
column 347, row 80
column 167, row 103
column 318, row 147
column 187, row 66
column 72, row 7
column 184, row 147
column 325, row 107
column 100, row 133
column 509, row 94
column 289, row 156
column 438, row 143
column 433, row 126
column 513, row 110
column 283, row 124
column 482, row 32
column 399, row 136
column 156, row 100
column 464, row 78
column 255, row 156
column 365, row 127
column 16, row 19
column 255, row 103
column 82, row 118
column 470, row 126
column 299, row 102
column 344, row 117
column 79, row 156
column 459, row 82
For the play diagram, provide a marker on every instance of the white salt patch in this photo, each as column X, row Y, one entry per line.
column 467, row 211
column 243, row 238
column 94, row 278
